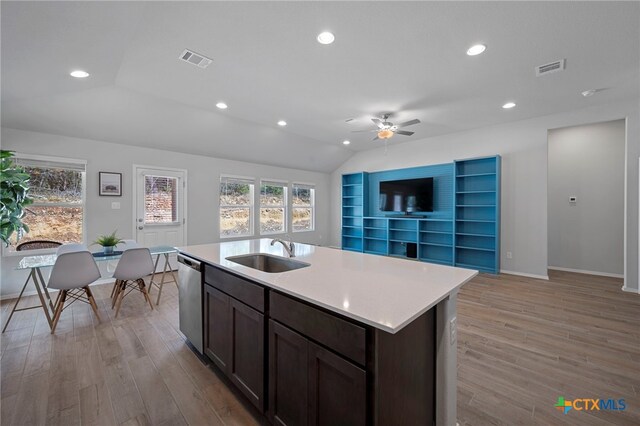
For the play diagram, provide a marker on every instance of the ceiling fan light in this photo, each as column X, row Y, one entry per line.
column 385, row 134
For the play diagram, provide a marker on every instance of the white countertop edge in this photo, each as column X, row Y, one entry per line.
column 393, row 330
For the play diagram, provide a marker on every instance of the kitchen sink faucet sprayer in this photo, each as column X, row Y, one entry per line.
column 288, row 246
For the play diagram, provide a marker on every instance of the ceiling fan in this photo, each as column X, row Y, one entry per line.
column 385, row 129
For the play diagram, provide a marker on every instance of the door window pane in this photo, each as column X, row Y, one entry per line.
column 160, row 199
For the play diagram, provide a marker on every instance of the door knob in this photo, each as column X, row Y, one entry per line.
column 140, row 227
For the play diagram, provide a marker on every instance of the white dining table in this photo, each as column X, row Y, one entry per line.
column 36, row 263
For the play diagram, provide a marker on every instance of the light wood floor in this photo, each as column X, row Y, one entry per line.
column 525, row 342
column 521, row 344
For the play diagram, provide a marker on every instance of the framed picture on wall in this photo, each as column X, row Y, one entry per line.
column 110, row 184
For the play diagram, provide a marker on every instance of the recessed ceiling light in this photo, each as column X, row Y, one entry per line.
column 476, row 49
column 589, row 92
column 79, row 74
column 221, row 105
column 282, row 123
column 346, row 142
column 508, row 105
column 326, row 38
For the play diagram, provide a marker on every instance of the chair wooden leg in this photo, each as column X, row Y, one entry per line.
column 92, row 302
column 59, row 308
column 115, row 286
column 143, row 289
column 120, row 296
column 122, row 285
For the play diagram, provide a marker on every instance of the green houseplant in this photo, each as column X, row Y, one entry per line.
column 108, row 242
column 14, row 195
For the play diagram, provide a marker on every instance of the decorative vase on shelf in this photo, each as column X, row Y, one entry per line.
column 107, row 250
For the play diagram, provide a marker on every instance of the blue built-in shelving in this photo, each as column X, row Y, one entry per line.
column 477, row 225
column 463, row 229
column 354, row 204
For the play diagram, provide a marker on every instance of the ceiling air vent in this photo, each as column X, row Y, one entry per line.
column 195, row 58
column 550, row 68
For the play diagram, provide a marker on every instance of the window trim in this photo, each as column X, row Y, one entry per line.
column 251, row 206
column 284, row 206
column 5, row 252
column 312, row 206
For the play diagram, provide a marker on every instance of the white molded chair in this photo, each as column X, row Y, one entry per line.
column 70, row 248
column 121, row 246
column 134, row 265
column 71, row 274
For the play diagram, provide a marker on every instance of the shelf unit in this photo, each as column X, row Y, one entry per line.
column 376, row 235
column 436, row 241
column 477, row 210
column 463, row 230
column 353, row 207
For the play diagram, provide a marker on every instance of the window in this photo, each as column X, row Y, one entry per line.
column 160, row 199
column 236, row 207
column 57, row 189
column 303, row 207
column 273, row 207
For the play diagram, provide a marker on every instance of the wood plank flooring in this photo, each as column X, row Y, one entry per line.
column 521, row 343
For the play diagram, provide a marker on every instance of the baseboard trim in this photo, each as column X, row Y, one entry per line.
column 629, row 290
column 582, row 271
column 524, row 274
column 51, row 290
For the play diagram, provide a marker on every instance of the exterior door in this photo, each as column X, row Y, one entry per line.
column 160, row 206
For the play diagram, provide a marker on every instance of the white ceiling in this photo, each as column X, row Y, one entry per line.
column 402, row 57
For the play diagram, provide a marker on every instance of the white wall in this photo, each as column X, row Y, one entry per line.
column 203, row 189
column 523, row 146
column 587, row 162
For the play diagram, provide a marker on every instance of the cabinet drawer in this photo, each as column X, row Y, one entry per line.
column 239, row 288
column 342, row 336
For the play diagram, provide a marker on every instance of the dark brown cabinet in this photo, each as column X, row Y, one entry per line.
column 311, row 385
column 246, row 368
column 234, row 341
column 315, row 367
column 217, row 330
column 288, row 378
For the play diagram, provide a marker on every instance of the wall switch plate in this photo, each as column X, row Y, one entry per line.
column 115, row 205
column 453, row 329
column 509, row 255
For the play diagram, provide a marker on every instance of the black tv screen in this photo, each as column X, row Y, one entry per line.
column 407, row 196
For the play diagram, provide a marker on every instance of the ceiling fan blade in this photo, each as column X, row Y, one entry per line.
column 378, row 122
column 404, row 132
column 409, row 123
column 375, row 139
column 365, row 130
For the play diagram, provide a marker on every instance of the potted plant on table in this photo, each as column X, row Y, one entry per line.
column 108, row 242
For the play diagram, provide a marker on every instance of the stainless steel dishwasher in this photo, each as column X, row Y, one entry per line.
column 190, row 299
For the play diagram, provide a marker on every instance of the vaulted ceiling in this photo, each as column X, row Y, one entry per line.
column 407, row 58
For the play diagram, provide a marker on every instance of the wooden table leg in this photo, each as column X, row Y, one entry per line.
column 165, row 269
column 40, row 286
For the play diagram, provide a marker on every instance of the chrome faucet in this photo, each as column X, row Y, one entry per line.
column 288, row 246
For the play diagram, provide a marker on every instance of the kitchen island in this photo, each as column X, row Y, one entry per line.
column 351, row 338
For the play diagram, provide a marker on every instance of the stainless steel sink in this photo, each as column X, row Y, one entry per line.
column 267, row 262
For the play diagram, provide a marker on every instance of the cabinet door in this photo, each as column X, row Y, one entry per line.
column 246, row 369
column 337, row 390
column 288, row 378
column 217, row 330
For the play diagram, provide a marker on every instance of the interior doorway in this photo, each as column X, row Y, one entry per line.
column 585, row 191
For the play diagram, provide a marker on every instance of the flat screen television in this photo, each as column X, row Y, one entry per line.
column 407, row 196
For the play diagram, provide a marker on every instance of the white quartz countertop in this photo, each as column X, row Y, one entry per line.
column 383, row 292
